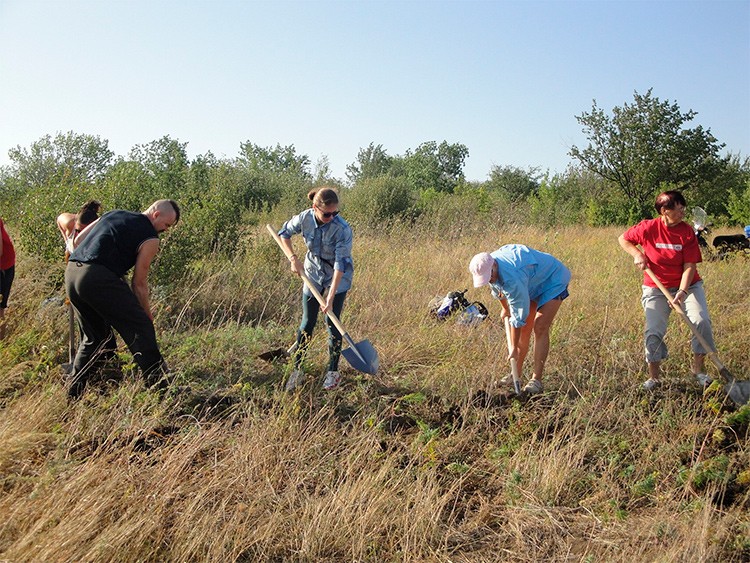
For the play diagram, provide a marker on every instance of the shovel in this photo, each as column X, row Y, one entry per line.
column 513, row 361
column 362, row 356
column 738, row 391
column 68, row 367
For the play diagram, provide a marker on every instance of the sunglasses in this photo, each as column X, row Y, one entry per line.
column 327, row 215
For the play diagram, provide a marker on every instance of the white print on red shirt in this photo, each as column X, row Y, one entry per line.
column 669, row 246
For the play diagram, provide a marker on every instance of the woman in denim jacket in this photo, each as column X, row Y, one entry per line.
column 328, row 264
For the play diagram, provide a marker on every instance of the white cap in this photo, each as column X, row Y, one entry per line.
column 481, row 268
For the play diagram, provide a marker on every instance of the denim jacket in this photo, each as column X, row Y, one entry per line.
column 329, row 248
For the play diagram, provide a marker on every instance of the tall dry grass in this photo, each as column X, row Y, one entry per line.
column 424, row 462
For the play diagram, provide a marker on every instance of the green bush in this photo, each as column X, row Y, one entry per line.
column 739, row 206
column 376, row 200
column 561, row 199
column 35, row 220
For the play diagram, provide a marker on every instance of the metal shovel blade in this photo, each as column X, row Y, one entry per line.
column 738, row 391
column 362, row 356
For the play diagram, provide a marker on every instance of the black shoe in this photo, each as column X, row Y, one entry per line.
column 156, row 382
column 77, row 387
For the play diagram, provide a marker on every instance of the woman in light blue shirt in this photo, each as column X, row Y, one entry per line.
column 328, row 264
column 531, row 285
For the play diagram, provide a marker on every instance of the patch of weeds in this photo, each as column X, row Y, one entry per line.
column 664, row 530
column 512, row 437
column 683, row 474
column 513, row 483
column 713, row 470
column 695, row 505
column 414, row 398
column 457, row 468
column 143, row 399
column 645, row 486
column 737, row 548
column 429, row 453
column 245, row 390
column 426, row 432
column 127, row 363
column 743, row 478
column 627, row 472
column 223, row 354
column 715, row 399
column 503, row 451
column 21, row 346
column 13, row 381
column 621, row 514
column 609, row 450
column 739, row 420
column 719, row 437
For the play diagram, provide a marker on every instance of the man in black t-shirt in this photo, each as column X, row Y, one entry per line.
column 105, row 251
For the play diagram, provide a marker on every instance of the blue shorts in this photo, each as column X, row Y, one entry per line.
column 563, row 296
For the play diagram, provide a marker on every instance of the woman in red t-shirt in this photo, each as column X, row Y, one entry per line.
column 669, row 247
column 7, row 272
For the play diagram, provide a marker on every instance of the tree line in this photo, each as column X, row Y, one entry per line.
column 632, row 153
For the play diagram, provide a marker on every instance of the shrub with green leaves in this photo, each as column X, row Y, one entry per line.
column 739, row 205
column 378, row 199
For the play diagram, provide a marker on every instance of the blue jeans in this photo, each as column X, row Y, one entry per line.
column 310, row 310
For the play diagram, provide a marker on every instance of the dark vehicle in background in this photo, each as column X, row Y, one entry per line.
column 723, row 245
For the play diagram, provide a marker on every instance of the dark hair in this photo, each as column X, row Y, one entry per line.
column 176, row 208
column 668, row 200
column 323, row 196
column 89, row 212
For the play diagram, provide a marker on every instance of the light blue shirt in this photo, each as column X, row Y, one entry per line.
column 526, row 275
column 329, row 248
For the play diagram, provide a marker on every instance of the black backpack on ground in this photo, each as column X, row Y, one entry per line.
column 456, row 302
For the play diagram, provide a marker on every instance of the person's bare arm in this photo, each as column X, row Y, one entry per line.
column 294, row 262
column 83, row 234
column 66, row 222
column 139, row 282
column 688, row 274
column 639, row 258
column 337, row 277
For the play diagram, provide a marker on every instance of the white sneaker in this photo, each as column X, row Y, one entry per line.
column 703, row 379
column 332, row 380
column 533, row 387
column 295, row 380
column 651, row 384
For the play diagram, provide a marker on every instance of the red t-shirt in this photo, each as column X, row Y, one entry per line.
column 8, row 258
column 667, row 249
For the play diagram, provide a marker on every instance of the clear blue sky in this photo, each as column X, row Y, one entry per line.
column 506, row 79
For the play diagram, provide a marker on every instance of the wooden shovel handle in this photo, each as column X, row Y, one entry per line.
column 307, row 281
column 711, row 352
column 513, row 361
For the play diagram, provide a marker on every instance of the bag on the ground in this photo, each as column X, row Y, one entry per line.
column 456, row 304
